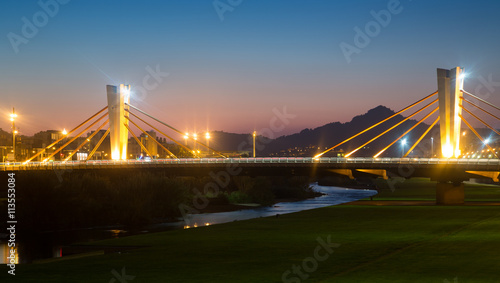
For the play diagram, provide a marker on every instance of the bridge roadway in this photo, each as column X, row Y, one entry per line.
column 435, row 168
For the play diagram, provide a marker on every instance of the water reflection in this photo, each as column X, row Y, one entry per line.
column 9, row 256
column 61, row 243
column 333, row 196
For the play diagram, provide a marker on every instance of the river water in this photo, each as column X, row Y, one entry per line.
column 57, row 244
column 332, row 196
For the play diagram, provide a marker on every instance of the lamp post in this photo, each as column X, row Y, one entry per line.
column 254, row 135
column 186, row 136
column 432, row 147
column 403, row 142
column 14, row 132
column 195, row 138
column 207, row 136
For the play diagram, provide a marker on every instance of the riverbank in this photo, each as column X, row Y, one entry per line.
column 389, row 243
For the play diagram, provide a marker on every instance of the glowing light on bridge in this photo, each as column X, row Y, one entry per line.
column 450, row 86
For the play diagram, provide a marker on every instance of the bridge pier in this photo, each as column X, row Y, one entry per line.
column 450, row 193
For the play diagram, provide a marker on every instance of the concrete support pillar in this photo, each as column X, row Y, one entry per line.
column 117, row 97
column 449, row 193
column 450, row 84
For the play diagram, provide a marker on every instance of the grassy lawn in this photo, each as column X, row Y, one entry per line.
column 372, row 244
column 424, row 189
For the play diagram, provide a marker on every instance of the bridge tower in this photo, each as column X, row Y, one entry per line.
column 117, row 97
column 450, row 84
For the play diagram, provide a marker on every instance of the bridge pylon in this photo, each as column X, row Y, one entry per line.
column 450, row 85
column 118, row 97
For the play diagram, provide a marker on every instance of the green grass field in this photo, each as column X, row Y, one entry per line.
column 372, row 244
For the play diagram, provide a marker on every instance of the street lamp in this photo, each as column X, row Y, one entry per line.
column 207, row 136
column 195, row 137
column 432, row 147
column 186, row 136
column 13, row 117
column 403, row 143
column 254, row 135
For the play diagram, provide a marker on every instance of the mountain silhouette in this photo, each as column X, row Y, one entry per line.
column 309, row 142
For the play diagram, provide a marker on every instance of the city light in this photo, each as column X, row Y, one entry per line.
column 64, row 132
column 487, row 141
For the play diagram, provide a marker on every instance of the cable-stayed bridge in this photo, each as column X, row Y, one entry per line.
column 446, row 106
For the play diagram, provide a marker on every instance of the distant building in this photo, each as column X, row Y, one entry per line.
column 149, row 143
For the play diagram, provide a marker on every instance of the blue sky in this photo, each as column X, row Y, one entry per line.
column 229, row 73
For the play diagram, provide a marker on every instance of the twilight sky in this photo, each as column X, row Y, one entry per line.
column 229, row 68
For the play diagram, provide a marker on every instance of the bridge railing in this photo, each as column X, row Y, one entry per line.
column 6, row 166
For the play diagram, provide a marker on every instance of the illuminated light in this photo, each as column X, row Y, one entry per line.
column 195, row 136
column 464, row 132
column 115, row 155
column 403, row 142
column 125, row 89
column 487, row 141
column 15, row 132
column 207, row 135
column 448, row 151
column 64, row 132
column 12, row 119
column 207, row 224
column 457, row 152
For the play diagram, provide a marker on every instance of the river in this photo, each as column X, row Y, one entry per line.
column 60, row 243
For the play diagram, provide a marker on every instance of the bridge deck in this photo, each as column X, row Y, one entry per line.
column 435, row 168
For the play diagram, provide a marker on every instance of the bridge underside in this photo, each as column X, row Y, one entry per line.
column 453, row 172
column 449, row 174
